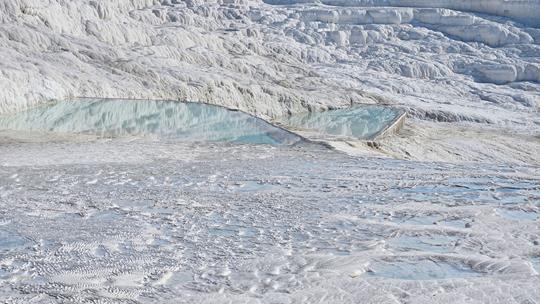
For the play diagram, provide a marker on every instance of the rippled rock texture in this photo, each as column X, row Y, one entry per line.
column 451, row 62
column 148, row 118
column 165, row 222
column 131, row 220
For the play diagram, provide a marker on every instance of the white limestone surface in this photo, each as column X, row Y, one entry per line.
column 275, row 57
column 153, row 221
column 453, row 219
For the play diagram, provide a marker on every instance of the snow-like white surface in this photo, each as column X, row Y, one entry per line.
column 525, row 11
column 151, row 118
column 133, row 220
column 361, row 122
column 269, row 59
column 167, row 222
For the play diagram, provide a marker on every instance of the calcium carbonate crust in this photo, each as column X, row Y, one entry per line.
column 264, row 57
column 446, row 61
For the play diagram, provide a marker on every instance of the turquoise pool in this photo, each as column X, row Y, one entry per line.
column 165, row 119
column 363, row 122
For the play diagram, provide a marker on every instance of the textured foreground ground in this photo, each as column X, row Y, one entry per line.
column 143, row 221
column 273, row 57
column 456, row 220
column 445, row 61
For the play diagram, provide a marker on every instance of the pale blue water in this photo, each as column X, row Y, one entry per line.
column 517, row 215
column 420, row 270
column 165, row 119
column 434, row 219
column 362, row 122
column 11, row 241
column 494, row 183
column 422, row 219
column 536, row 263
column 429, row 243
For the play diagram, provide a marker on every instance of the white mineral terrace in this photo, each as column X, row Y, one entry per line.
column 292, row 176
column 154, row 221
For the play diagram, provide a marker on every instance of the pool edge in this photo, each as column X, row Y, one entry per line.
column 392, row 128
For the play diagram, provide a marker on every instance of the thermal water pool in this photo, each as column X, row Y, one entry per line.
column 363, row 122
column 421, row 270
column 166, row 119
column 190, row 121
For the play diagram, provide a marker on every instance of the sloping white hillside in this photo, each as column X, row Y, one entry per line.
column 270, row 59
column 446, row 211
column 525, row 11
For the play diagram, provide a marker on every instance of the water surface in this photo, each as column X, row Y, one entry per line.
column 362, row 122
column 421, row 270
column 164, row 119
